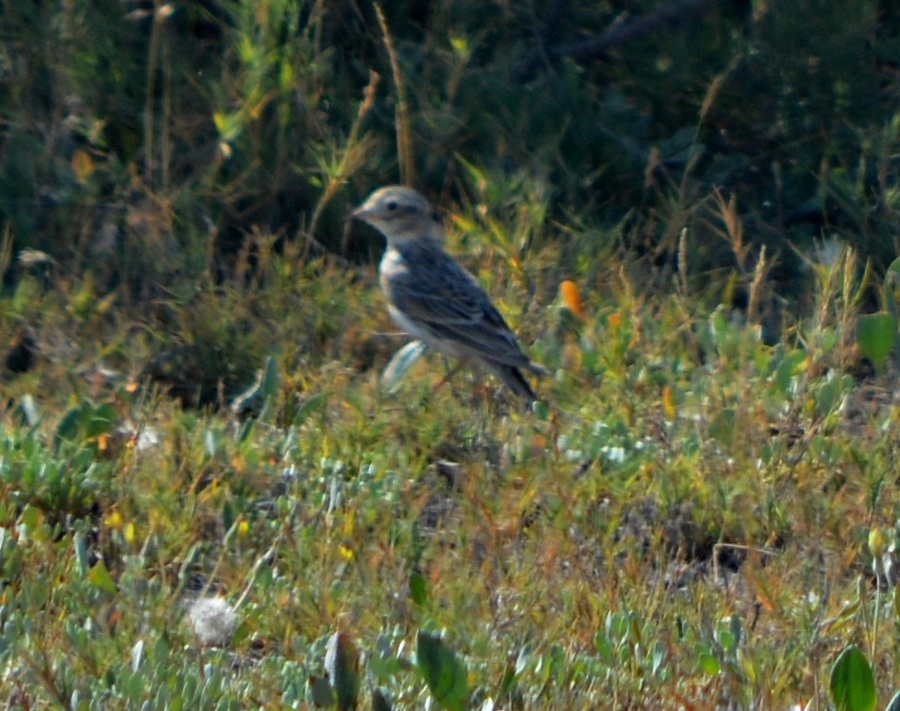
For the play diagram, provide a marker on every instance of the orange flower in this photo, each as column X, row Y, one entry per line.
column 572, row 299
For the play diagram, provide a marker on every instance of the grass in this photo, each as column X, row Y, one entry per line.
column 685, row 524
column 207, row 498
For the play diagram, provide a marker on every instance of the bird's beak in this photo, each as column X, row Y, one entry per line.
column 363, row 213
column 364, row 210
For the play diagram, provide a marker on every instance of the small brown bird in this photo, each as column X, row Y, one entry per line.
column 434, row 299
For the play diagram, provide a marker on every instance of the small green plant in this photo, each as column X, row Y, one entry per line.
column 444, row 671
column 878, row 334
column 342, row 665
column 852, row 683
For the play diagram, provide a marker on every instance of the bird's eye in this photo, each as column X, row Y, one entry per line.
column 392, row 205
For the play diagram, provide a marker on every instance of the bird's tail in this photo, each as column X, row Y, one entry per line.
column 512, row 377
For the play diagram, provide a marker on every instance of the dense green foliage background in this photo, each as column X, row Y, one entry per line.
column 136, row 133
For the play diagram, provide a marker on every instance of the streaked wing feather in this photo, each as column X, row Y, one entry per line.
column 454, row 307
column 438, row 303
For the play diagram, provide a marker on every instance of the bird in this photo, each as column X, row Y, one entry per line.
column 434, row 299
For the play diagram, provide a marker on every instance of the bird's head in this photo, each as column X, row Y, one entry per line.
column 400, row 213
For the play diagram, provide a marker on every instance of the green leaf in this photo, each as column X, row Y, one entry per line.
column 852, row 682
column 321, row 692
column 101, row 578
column 830, row 394
column 507, row 684
column 285, row 76
column 81, row 552
column 342, row 665
column 725, row 635
column 786, row 367
column 443, row 670
column 316, row 402
column 84, row 422
column 875, row 335
column 31, row 517
column 229, row 515
column 604, row 648
column 460, row 46
column 706, row 660
column 263, row 392
column 722, row 426
column 100, row 420
column 418, row 589
column 67, row 427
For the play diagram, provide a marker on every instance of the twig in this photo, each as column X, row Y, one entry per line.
column 404, row 152
column 348, row 162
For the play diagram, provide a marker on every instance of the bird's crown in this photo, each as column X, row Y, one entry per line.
column 400, row 213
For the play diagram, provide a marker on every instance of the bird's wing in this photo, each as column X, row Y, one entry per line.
column 443, row 297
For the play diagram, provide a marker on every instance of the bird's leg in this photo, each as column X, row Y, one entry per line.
column 446, row 379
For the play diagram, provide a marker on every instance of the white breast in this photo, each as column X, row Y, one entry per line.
column 411, row 327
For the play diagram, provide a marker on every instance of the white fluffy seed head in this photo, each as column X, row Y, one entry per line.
column 213, row 621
